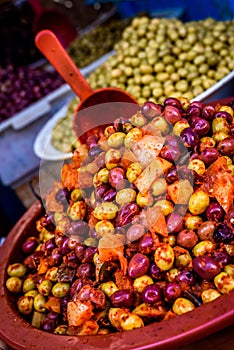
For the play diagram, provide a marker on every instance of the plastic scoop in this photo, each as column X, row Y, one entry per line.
column 54, row 20
column 97, row 108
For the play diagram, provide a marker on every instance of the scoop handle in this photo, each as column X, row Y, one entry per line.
column 52, row 49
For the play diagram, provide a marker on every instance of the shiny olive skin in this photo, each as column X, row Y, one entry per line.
column 200, row 125
column 214, row 212
column 223, row 233
column 127, row 213
column 122, row 298
column 189, row 137
column 174, row 223
column 138, row 265
column 152, row 294
column 205, row 230
column 206, row 267
column 187, row 238
column 172, row 291
column 209, row 155
column 226, row 146
column 151, row 109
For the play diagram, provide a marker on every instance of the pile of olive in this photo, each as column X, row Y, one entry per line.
column 63, row 137
column 158, row 58
column 124, row 243
column 90, row 46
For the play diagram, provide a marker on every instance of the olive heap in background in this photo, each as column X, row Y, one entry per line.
column 140, row 228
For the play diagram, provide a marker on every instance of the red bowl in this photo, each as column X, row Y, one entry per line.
column 170, row 334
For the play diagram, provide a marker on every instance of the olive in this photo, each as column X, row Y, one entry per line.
column 223, row 233
column 189, row 137
column 206, row 267
column 16, row 270
column 172, row 291
column 122, row 298
column 151, row 109
column 226, row 146
column 172, row 114
column 30, row 245
column 187, row 238
column 200, row 125
column 214, row 212
column 138, row 265
column 209, row 155
column 205, row 230
column 14, row 284
column 151, row 294
column 25, row 305
column 116, row 177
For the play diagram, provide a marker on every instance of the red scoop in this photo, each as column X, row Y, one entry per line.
column 104, row 104
column 54, row 20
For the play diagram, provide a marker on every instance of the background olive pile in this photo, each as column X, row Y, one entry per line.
column 90, row 46
column 158, row 58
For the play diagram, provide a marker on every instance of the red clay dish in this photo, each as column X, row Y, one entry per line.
column 171, row 334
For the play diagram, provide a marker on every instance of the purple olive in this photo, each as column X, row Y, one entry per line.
column 138, row 265
column 146, row 244
column 64, row 246
column 89, row 253
column 206, row 267
column 226, row 146
column 100, row 191
column 94, row 151
column 122, row 298
column 197, row 104
column 174, row 223
column 171, row 175
column 170, row 153
column 200, row 125
column 80, row 250
column 172, row 114
column 116, row 176
column 172, row 101
column 127, row 213
column 186, row 277
column 56, row 257
column 223, row 234
column 30, row 245
column 151, row 294
column 75, row 287
column 222, row 257
column 214, row 212
column 172, row 291
column 209, row 155
column 156, row 272
column 151, row 109
column 79, row 228
column 50, row 245
column 62, row 196
column 85, row 270
column 189, row 137
column 109, row 195
column 193, row 111
column 208, row 112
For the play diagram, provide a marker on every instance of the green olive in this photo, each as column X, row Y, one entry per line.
column 25, row 305
column 39, row 303
column 60, row 289
column 16, row 270
column 44, row 288
column 14, row 284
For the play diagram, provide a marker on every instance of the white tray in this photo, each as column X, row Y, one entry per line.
column 43, row 147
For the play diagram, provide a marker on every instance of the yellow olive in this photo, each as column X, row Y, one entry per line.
column 164, row 256
column 198, row 202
